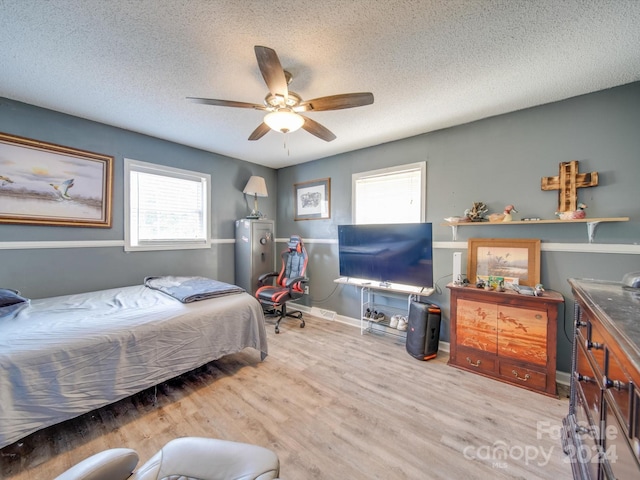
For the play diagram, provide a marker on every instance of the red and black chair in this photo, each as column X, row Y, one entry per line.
column 289, row 283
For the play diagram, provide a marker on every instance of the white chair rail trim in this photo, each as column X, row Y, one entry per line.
column 610, row 248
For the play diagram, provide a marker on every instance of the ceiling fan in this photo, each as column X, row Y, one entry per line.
column 284, row 106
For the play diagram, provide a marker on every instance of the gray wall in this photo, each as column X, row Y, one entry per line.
column 47, row 272
column 499, row 161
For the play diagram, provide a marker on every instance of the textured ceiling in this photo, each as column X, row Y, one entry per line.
column 430, row 64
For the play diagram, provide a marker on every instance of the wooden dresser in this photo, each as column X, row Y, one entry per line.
column 506, row 336
column 602, row 430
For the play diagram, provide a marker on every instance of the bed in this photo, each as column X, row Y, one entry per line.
column 64, row 356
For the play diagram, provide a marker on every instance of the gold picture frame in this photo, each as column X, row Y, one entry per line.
column 504, row 257
column 46, row 184
column 312, row 199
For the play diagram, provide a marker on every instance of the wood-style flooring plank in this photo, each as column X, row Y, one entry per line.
column 332, row 404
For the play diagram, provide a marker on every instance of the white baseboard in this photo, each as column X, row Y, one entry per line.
column 352, row 322
column 563, row 378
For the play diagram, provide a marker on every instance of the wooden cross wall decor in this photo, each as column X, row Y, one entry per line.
column 567, row 183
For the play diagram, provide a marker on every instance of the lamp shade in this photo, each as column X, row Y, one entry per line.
column 284, row 121
column 256, row 186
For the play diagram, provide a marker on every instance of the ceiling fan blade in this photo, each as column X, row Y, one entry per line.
column 337, row 102
column 272, row 71
column 259, row 132
column 314, row 128
column 226, row 103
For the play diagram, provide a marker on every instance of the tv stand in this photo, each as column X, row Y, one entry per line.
column 375, row 296
column 392, row 287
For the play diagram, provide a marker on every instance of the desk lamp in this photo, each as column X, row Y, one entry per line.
column 257, row 187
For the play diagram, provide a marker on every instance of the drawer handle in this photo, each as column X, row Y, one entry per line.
column 476, row 364
column 595, row 345
column 617, row 384
column 583, row 378
column 524, row 379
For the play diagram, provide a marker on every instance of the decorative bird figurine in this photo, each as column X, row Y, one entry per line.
column 5, row 180
column 63, row 188
column 573, row 214
column 504, row 216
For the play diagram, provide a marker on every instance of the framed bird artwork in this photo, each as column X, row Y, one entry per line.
column 504, row 257
column 46, row 184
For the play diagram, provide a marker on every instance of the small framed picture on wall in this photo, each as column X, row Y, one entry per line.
column 312, row 199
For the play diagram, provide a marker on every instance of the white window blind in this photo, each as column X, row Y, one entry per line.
column 167, row 208
column 391, row 195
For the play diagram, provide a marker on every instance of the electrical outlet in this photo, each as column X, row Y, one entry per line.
column 306, row 289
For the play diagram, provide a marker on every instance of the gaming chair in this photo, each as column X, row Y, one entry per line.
column 288, row 285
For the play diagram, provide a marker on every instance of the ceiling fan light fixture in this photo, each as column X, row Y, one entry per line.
column 284, row 104
column 284, row 120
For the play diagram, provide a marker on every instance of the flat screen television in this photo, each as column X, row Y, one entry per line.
column 394, row 253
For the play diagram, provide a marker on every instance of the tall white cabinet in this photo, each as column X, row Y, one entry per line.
column 254, row 251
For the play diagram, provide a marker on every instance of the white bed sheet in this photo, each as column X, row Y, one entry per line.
column 64, row 356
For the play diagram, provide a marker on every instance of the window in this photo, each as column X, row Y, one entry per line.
column 166, row 208
column 390, row 195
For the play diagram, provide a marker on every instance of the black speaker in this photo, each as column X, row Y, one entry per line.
column 423, row 330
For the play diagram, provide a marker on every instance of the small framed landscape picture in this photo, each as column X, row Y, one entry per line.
column 312, row 199
column 517, row 260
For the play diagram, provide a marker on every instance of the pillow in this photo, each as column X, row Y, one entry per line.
column 11, row 301
column 10, row 297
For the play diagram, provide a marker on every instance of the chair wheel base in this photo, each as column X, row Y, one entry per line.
column 282, row 314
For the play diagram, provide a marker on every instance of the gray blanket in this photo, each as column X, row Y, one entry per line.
column 64, row 356
column 191, row 289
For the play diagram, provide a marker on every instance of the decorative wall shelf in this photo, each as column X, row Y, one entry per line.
column 592, row 224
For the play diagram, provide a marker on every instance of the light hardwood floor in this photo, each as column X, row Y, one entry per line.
column 333, row 405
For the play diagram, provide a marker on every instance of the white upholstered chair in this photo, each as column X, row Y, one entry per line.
column 192, row 458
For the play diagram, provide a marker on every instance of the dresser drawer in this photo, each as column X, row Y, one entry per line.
column 594, row 344
column 476, row 360
column 583, row 324
column 586, row 447
column 635, row 423
column 523, row 376
column 621, row 459
column 618, row 389
column 587, row 382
